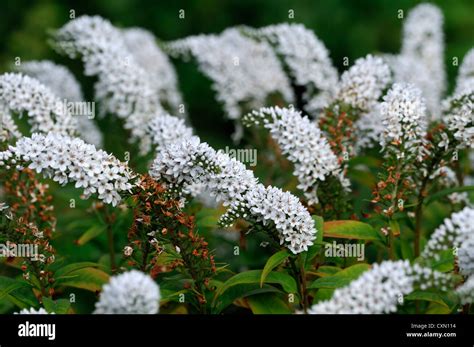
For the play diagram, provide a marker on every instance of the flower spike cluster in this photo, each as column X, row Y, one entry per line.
column 405, row 121
column 123, row 87
column 243, row 71
column 307, row 59
column 303, row 143
column 362, row 85
column 142, row 44
column 459, row 116
column 132, row 292
column 66, row 159
column 63, row 83
column 456, row 231
column 423, row 41
column 465, row 78
column 22, row 94
column 188, row 162
column 381, row 289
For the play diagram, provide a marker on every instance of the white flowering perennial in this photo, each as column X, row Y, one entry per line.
column 167, row 129
column 132, row 292
column 457, row 232
column 404, row 119
column 21, row 95
column 124, row 88
column 362, row 85
column 381, row 289
column 307, row 59
column 459, row 115
column 465, row 292
column 303, row 143
column 142, row 44
column 243, row 71
column 66, row 159
column 465, row 78
column 63, row 83
column 188, row 163
column 423, row 41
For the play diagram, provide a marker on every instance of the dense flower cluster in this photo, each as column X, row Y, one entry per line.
column 362, row 85
column 63, row 83
column 167, row 129
column 22, row 94
column 307, row 59
column 404, row 120
column 67, row 159
column 302, row 142
column 456, row 231
column 466, row 291
column 381, row 289
column 459, row 116
column 465, row 78
column 132, row 292
column 124, row 88
column 423, row 41
column 188, row 162
column 243, row 71
column 142, row 44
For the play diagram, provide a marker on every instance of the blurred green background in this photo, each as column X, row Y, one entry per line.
column 348, row 28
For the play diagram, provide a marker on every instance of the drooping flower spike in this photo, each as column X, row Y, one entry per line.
column 66, row 159
column 20, row 94
column 303, row 143
column 381, row 289
column 63, row 83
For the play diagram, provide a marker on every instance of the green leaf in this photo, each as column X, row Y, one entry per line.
column 442, row 193
column 87, row 278
column 65, row 270
column 327, row 270
column 17, row 292
column 90, row 234
column 426, row 296
column 237, row 292
column 272, row 262
column 60, row 306
column 341, row 278
column 268, row 303
column 351, row 229
column 248, row 277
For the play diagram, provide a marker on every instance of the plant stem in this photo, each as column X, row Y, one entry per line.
column 110, row 238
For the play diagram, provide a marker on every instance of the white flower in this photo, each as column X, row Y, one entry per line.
column 362, row 85
column 132, row 292
column 459, row 116
column 142, row 45
column 32, row 310
column 188, row 162
column 381, row 289
column 70, row 159
column 404, row 118
column 63, row 83
column 307, row 60
column 465, row 78
column 167, row 129
column 303, row 143
column 456, row 231
column 423, row 42
column 369, row 128
column 243, row 71
column 22, row 94
column 124, row 88
column 466, row 291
